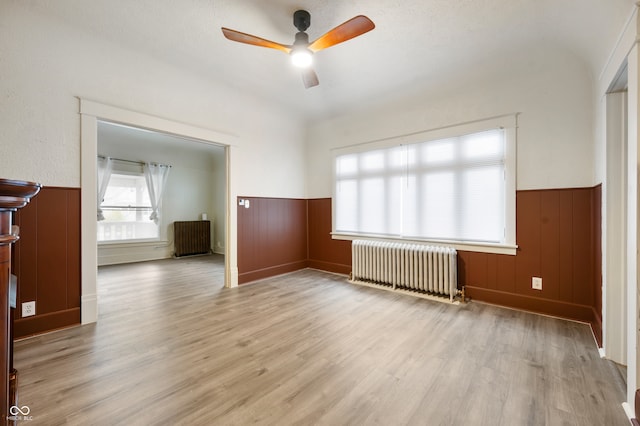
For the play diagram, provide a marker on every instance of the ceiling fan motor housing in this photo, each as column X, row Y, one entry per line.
column 301, row 20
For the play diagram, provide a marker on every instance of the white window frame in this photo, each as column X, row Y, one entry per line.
column 506, row 122
column 134, row 170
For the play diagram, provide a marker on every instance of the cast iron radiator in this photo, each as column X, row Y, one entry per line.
column 192, row 237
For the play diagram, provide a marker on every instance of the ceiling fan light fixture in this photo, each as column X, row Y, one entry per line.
column 301, row 51
column 301, row 57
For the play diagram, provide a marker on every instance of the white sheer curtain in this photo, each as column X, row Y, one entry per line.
column 105, row 166
column 156, row 177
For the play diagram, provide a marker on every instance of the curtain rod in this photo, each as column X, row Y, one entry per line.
column 142, row 163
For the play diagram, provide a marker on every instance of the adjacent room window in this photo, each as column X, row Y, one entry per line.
column 126, row 208
column 454, row 188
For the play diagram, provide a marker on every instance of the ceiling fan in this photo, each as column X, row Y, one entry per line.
column 301, row 50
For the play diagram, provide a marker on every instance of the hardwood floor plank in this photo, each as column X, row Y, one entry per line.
column 172, row 346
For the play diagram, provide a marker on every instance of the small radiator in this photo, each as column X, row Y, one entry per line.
column 193, row 237
column 418, row 268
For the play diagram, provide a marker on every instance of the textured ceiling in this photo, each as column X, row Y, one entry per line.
column 418, row 45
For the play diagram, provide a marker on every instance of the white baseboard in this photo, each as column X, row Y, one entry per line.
column 628, row 411
column 233, row 278
column 89, row 308
column 119, row 255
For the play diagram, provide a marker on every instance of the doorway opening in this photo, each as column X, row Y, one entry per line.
column 169, row 142
column 131, row 229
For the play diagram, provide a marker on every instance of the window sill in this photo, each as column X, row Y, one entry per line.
column 507, row 249
column 132, row 243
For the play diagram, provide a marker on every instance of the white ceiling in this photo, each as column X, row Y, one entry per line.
column 416, row 47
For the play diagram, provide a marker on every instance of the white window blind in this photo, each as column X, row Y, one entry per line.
column 444, row 189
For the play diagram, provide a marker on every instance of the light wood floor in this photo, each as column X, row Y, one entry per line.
column 173, row 347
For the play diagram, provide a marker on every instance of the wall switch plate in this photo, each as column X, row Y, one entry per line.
column 536, row 283
column 28, row 309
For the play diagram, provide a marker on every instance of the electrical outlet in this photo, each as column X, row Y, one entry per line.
column 536, row 283
column 28, row 309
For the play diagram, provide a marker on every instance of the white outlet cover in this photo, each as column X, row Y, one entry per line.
column 28, row 309
column 536, row 283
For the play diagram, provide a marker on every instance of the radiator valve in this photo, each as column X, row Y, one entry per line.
column 463, row 298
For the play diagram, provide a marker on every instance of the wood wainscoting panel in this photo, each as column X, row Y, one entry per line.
column 559, row 240
column 558, row 236
column 25, row 254
column 506, row 271
column 272, row 237
column 540, row 305
column 472, row 269
column 529, row 242
column 47, row 261
column 51, row 266
column 74, row 267
column 583, row 249
column 549, row 243
column 43, row 323
column 325, row 253
column 485, row 270
column 565, row 252
column 596, row 207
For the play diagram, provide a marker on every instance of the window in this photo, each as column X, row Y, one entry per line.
column 127, row 209
column 457, row 188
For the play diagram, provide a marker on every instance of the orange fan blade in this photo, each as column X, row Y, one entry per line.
column 343, row 32
column 256, row 41
column 309, row 78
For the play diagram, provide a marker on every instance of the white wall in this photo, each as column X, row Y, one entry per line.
column 46, row 65
column 551, row 89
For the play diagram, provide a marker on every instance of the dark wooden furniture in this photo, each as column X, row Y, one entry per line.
column 13, row 196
